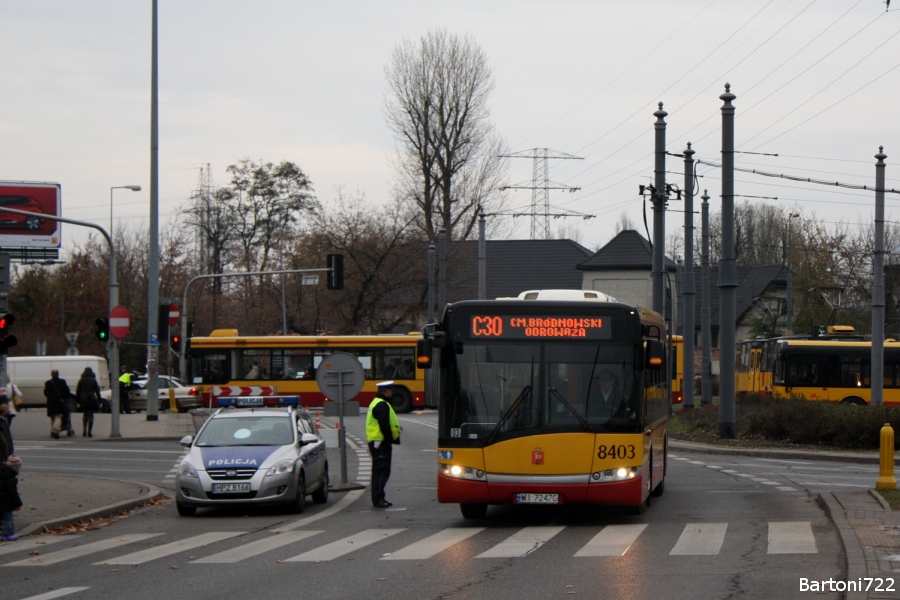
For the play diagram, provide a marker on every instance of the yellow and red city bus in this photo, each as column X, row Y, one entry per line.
column 523, row 416
column 226, row 360
column 755, row 362
column 834, row 371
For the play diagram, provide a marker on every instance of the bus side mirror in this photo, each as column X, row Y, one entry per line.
column 424, row 351
column 654, row 354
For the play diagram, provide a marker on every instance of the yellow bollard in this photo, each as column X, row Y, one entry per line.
column 173, row 406
column 886, row 479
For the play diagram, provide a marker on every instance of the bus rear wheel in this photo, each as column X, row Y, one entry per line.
column 854, row 401
column 473, row 511
column 401, row 400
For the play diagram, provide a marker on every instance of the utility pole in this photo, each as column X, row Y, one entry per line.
column 540, row 187
column 790, row 273
column 727, row 274
column 153, row 258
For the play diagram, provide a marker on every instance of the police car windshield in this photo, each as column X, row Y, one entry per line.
column 247, row 431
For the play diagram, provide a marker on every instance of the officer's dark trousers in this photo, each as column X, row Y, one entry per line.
column 381, row 469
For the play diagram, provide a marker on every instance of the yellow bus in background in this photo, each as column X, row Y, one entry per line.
column 225, row 362
column 833, row 371
column 676, row 366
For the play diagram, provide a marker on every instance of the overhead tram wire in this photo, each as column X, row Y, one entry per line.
column 650, row 53
column 801, row 73
column 644, row 108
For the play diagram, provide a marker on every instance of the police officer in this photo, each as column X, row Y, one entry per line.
column 382, row 432
column 124, row 387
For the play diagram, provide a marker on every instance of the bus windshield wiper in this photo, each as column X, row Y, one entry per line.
column 525, row 393
column 555, row 393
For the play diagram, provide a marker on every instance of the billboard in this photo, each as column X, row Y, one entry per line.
column 30, row 231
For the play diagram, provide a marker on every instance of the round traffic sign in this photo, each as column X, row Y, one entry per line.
column 119, row 322
column 174, row 314
column 340, row 376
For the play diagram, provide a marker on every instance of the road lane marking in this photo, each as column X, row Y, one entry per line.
column 34, row 543
column 434, row 544
column 57, row 593
column 791, row 537
column 522, row 543
column 259, row 546
column 700, row 539
column 345, row 546
column 613, row 540
column 142, row 556
column 78, row 551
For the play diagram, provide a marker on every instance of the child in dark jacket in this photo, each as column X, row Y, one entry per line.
column 9, row 497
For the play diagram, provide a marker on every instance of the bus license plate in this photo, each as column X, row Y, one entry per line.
column 537, row 498
column 230, row 488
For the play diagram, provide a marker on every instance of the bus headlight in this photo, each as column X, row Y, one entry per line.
column 461, row 472
column 620, row 474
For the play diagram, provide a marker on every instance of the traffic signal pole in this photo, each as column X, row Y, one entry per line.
column 113, row 348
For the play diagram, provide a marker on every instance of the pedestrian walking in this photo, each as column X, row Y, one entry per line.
column 57, row 393
column 6, row 442
column 382, row 432
column 88, row 393
column 125, row 385
column 9, row 497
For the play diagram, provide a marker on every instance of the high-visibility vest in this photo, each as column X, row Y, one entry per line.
column 125, row 378
column 373, row 431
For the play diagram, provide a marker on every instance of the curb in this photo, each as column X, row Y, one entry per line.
column 148, row 493
column 853, row 552
column 774, row 453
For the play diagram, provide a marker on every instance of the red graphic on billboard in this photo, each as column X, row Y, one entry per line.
column 30, row 230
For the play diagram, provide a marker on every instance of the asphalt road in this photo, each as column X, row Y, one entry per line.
column 725, row 527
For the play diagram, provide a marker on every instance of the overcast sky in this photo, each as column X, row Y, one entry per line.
column 817, row 82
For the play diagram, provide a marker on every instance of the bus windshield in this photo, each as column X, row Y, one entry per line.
column 506, row 389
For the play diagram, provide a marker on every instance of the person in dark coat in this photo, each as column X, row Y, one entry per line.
column 9, row 497
column 6, row 442
column 57, row 392
column 88, row 393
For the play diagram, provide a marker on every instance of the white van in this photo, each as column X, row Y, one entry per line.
column 30, row 373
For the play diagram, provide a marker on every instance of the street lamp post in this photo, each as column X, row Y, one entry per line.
column 133, row 188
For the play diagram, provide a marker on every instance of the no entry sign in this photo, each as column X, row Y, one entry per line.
column 119, row 322
column 174, row 314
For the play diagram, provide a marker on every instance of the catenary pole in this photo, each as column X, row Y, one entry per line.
column 878, row 287
column 659, row 212
column 705, row 310
column 687, row 386
column 727, row 274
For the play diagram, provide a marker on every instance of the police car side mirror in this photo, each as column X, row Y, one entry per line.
column 186, row 441
column 308, row 438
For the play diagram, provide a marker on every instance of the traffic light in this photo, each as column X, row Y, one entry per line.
column 176, row 341
column 7, row 341
column 336, row 271
column 102, row 332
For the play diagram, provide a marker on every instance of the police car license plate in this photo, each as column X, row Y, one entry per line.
column 537, row 498
column 230, row 488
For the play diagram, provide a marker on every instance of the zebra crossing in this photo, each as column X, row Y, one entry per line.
column 696, row 539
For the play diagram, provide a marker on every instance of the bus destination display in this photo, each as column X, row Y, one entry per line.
column 520, row 327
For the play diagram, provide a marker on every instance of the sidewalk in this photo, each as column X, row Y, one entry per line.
column 869, row 530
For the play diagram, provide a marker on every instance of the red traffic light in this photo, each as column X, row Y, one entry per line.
column 7, row 320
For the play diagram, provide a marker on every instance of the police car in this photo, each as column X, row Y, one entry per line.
column 253, row 453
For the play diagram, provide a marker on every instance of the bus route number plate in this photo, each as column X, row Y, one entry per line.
column 537, row 498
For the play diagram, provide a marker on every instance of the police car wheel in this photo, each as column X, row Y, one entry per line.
column 320, row 496
column 185, row 510
column 299, row 503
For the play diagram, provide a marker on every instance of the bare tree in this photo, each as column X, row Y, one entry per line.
column 449, row 160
